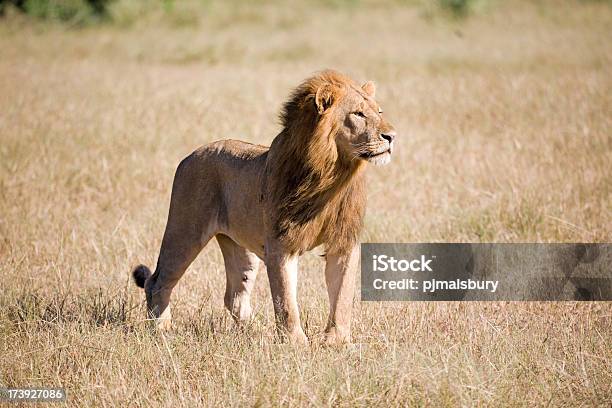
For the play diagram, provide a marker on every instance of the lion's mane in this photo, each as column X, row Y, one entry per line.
column 318, row 195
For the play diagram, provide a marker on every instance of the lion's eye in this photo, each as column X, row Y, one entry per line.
column 360, row 114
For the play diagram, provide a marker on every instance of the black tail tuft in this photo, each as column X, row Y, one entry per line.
column 140, row 274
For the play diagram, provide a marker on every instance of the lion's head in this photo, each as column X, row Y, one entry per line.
column 332, row 127
column 345, row 116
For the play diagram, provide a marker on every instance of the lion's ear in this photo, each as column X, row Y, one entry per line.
column 324, row 98
column 369, row 88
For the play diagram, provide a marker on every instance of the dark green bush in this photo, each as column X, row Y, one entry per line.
column 77, row 11
column 458, row 8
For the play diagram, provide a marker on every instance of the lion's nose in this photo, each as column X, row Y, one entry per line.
column 389, row 136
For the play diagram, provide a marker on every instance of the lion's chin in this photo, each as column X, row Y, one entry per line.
column 380, row 159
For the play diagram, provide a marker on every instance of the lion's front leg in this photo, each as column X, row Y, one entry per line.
column 282, row 272
column 340, row 278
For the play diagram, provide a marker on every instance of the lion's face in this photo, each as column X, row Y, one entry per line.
column 363, row 133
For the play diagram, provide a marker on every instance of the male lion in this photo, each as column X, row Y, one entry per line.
column 305, row 190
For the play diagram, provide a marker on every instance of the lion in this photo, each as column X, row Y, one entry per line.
column 273, row 204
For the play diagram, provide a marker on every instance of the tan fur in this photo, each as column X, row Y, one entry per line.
column 306, row 190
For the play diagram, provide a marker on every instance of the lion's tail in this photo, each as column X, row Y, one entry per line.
column 140, row 274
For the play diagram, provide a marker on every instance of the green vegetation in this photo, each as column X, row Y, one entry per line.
column 70, row 11
column 185, row 12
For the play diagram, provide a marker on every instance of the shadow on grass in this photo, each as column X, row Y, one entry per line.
column 116, row 309
column 94, row 307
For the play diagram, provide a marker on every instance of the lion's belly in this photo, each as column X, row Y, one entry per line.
column 246, row 227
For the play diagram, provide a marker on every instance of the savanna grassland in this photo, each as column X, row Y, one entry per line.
column 505, row 124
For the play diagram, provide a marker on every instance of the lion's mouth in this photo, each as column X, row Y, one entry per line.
column 371, row 155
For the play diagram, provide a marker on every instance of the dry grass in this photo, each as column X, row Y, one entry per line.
column 505, row 122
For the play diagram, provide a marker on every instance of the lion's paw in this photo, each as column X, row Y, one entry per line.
column 335, row 337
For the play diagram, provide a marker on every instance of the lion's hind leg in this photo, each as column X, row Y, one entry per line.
column 184, row 238
column 241, row 267
column 174, row 258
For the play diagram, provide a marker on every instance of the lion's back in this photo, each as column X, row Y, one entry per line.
column 224, row 162
column 230, row 150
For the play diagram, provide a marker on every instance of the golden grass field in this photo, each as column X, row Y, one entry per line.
column 505, row 123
